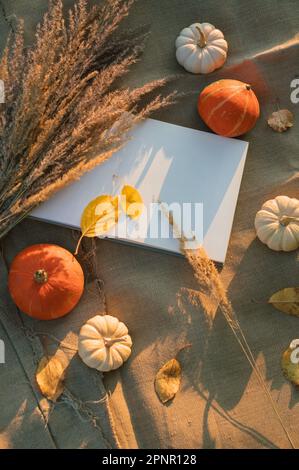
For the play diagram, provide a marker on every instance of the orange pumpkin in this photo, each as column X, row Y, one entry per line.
column 45, row 281
column 229, row 107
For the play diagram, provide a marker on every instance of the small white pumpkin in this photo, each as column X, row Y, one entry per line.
column 104, row 343
column 277, row 223
column 201, row 48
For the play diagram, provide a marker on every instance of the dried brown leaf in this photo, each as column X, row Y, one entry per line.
column 49, row 377
column 286, row 300
column 281, row 120
column 168, row 379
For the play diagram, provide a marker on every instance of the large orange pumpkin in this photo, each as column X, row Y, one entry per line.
column 45, row 281
column 229, row 107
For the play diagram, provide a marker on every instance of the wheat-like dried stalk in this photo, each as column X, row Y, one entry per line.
column 62, row 114
column 212, row 292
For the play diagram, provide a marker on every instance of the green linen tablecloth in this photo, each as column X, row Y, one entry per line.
column 220, row 403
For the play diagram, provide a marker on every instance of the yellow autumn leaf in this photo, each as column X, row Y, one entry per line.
column 132, row 202
column 168, row 379
column 286, row 300
column 49, row 377
column 99, row 216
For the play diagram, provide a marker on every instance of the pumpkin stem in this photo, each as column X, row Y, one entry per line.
column 110, row 341
column 286, row 220
column 40, row 276
column 202, row 38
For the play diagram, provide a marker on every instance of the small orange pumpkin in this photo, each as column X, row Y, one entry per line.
column 45, row 281
column 229, row 107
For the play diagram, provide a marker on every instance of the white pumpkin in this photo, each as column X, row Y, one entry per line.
column 104, row 343
column 201, row 48
column 277, row 223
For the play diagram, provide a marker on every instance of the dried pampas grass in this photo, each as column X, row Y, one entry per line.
column 61, row 115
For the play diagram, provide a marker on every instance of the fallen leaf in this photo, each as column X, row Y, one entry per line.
column 132, row 202
column 286, row 300
column 99, row 216
column 290, row 363
column 168, row 379
column 281, row 120
column 49, row 377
